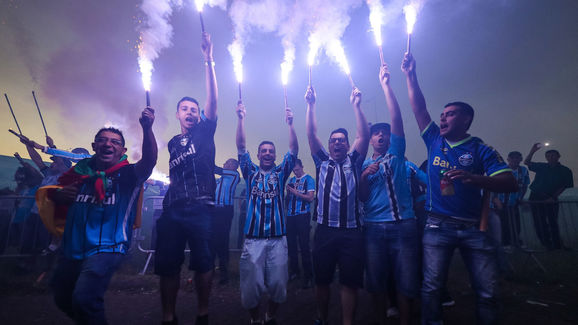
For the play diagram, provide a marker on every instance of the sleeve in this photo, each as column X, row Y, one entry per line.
column 525, row 177
column 247, row 166
column 430, row 134
column 569, row 179
column 209, row 126
column 310, row 184
column 397, row 146
column 320, row 157
column 287, row 165
column 218, row 170
column 536, row 167
column 492, row 162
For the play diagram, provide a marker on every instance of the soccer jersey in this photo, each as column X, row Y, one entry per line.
column 389, row 191
column 95, row 227
column 265, row 217
column 417, row 180
column 337, row 204
column 470, row 154
column 226, row 186
column 295, row 205
column 191, row 163
column 523, row 179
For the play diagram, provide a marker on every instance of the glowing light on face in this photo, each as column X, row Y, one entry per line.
column 236, row 50
column 336, row 51
column 410, row 17
column 375, row 19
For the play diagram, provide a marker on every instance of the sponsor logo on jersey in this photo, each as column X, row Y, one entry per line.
column 466, row 159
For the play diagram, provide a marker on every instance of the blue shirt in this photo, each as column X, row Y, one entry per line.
column 295, row 205
column 417, row 180
column 470, row 154
column 265, row 217
column 105, row 227
column 389, row 191
column 523, row 179
column 226, row 186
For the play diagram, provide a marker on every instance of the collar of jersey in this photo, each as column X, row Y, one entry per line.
column 459, row 142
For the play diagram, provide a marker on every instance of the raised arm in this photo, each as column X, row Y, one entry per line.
column 361, row 142
column 416, row 98
column 144, row 167
column 241, row 143
column 35, row 156
column 311, row 122
column 293, row 143
column 533, row 150
column 210, row 79
column 392, row 105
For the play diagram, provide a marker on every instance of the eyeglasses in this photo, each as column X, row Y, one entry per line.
column 101, row 140
column 337, row 140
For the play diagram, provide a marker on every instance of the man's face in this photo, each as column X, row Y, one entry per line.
column 58, row 165
column 552, row 157
column 298, row 170
column 514, row 161
column 266, row 156
column 231, row 164
column 338, row 146
column 380, row 140
column 453, row 122
column 108, row 148
column 188, row 114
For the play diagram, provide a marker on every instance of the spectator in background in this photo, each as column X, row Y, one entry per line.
column 551, row 179
column 223, row 215
column 506, row 204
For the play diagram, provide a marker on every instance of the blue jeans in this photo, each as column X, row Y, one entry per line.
column 478, row 249
column 79, row 286
column 391, row 250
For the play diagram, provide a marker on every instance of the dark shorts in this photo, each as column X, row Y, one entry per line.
column 180, row 224
column 343, row 248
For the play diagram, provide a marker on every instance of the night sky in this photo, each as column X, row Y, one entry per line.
column 515, row 62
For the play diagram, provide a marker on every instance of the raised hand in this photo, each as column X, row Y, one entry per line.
column 207, row 46
column 240, row 110
column 408, row 64
column 288, row 116
column 310, row 95
column 384, row 75
column 147, row 118
column 355, row 97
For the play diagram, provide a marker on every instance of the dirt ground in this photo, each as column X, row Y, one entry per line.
column 530, row 296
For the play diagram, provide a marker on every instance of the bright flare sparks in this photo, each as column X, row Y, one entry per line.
column 236, row 50
column 199, row 4
column 146, row 70
column 313, row 49
column 410, row 17
column 159, row 176
column 375, row 19
column 287, row 65
column 336, row 51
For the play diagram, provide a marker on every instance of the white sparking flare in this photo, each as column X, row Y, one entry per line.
column 314, row 46
column 376, row 19
column 336, row 52
column 154, row 37
column 236, row 51
column 287, row 65
column 200, row 4
column 157, row 175
column 410, row 12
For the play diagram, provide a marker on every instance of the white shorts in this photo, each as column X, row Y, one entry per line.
column 263, row 267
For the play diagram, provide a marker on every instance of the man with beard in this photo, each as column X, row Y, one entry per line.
column 338, row 240
column 263, row 263
column 186, row 217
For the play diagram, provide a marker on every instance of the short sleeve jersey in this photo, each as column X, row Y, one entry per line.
column 265, row 215
column 192, row 163
column 389, row 191
column 295, row 205
column 523, row 179
column 337, row 204
column 226, row 186
column 470, row 154
column 95, row 227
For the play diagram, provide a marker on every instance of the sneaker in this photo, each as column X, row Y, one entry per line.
column 448, row 302
column 392, row 312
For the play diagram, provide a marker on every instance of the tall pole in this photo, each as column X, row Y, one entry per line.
column 12, row 111
column 38, row 108
column 148, row 97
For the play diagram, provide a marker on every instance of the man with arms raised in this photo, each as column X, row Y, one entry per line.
column 101, row 197
column 186, row 217
column 338, row 237
column 389, row 221
column 263, row 263
column 459, row 168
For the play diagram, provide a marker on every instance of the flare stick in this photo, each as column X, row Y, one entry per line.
column 11, row 111
column 38, row 108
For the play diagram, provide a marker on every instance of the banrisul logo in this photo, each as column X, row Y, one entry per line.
column 466, row 159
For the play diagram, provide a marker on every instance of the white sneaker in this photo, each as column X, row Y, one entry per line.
column 392, row 312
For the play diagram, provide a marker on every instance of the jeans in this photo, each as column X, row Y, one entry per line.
column 546, row 221
column 478, row 249
column 391, row 250
column 79, row 286
column 298, row 228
